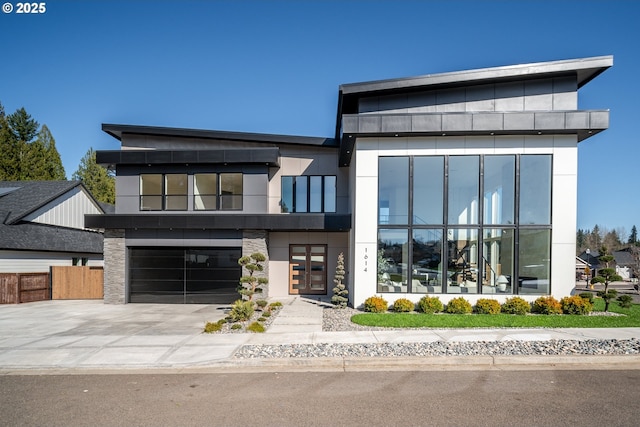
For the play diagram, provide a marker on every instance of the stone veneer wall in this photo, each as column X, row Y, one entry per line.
column 114, row 267
column 257, row 241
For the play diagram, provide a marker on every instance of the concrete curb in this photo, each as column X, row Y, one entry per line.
column 366, row 364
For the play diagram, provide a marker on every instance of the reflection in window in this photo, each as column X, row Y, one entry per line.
column 427, row 261
column 231, row 191
column 499, row 189
column 205, row 191
column 535, row 189
column 175, row 192
column 462, row 249
column 428, row 189
column 534, row 261
column 393, row 190
column 464, row 175
column 497, row 254
column 392, row 268
column 151, row 192
column 314, row 194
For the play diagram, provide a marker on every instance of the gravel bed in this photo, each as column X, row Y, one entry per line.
column 339, row 320
column 442, row 348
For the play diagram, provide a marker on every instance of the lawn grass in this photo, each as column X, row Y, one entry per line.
column 420, row 320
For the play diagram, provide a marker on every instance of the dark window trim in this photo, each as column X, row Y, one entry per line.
column 480, row 226
column 163, row 195
column 308, row 197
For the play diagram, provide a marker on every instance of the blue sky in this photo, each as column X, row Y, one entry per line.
column 275, row 67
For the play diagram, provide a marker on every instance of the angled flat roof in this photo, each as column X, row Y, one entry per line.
column 586, row 69
column 117, row 130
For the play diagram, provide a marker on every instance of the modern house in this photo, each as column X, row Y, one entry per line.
column 446, row 184
column 42, row 225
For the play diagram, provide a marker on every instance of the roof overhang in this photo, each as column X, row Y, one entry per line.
column 118, row 131
column 269, row 156
column 239, row 221
column 583, row 124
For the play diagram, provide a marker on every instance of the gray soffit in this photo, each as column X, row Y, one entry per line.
column 269, row 156
column 581, row 123
column 279, row 222
column 586, row 69
column 117, row 131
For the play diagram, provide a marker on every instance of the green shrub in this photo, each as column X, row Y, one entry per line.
column 576, row 305
column 430, row 305
column 587, row 296
column 459, row 306
column 256, row 327
column 236, row 326
column 261, row 319
column 376, row 304
column 403, row 305
column 266, row 314
column 516, row 305
column 223, row 321
column 275, row 304
column 212, row 327
column 625, row 301
column 487, row 306
column 547, row 305
column 241, row 310
column 262, row 303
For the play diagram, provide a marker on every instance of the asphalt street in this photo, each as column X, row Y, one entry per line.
column 462, row 398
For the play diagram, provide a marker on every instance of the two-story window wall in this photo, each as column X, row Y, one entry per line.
column 315, row 194
column 454, row 224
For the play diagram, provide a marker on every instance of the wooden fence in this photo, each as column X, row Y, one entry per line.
column 77, row 283
column 24, row 287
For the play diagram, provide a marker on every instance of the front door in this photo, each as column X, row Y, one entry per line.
column 308, row 269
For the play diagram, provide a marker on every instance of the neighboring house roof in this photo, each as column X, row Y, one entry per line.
column 623, row 258
column 20, row 199
column 591, row 258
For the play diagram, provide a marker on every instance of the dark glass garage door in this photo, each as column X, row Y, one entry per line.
column 183, row 276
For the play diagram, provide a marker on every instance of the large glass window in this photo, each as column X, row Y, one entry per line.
column 534, row 258
column 430, row 198
column 393, row 190
column 314, row 194
column 151, row 192
column 392, row 268
column 462, row 249
column 427, row 261
column 499, row 189
column 231, row 191
column 497, row 256
column 463, row 189
column 205, row 191
column 535, row 189
column 428, row 190
column 175, row 186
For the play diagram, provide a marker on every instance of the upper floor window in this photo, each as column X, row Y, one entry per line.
column 308, row 194
column 163, row 192
column 217, row 191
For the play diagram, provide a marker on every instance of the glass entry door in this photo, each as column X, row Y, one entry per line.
column 308, row 269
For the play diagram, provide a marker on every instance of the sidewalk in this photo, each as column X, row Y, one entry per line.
column 89, row 336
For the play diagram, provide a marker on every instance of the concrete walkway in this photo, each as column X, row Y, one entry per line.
column 89, row 336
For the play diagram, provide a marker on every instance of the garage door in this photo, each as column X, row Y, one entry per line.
column 184, row 275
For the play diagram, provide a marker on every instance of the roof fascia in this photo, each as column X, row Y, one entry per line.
column 118, row 130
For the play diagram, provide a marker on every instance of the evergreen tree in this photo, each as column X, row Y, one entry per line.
column 633, row 237
column 340, row 292
column 97, row 179
column 53, row 168
column 605, row 276
column 23, row 126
